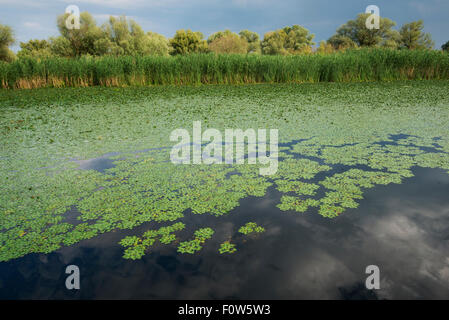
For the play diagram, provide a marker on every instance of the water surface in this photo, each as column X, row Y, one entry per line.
column 403, row 229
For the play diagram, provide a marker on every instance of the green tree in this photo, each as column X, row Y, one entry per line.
column 298, row 39
column 122, row 36
column 35, row 48
column 157, row 44
column 61, row 46
column 289, row 40
column 273, row 42
column 81, row 40
column 118, row 37
column 355, row 32
column 227, row 42
column 218, row 35
column 185, row 42
column 445, row 47
column 6, row 40
column 139, row 39
column 253, row 41
column 325, row 48
column 412, row 36
column 54, row 46
column 104, row 46
column 338, row 41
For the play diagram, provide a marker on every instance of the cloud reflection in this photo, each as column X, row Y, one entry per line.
column 403, row 229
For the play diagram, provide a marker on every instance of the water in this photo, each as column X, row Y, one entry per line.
column 403, row 229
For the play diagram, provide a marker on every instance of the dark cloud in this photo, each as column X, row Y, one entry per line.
column 32, row 19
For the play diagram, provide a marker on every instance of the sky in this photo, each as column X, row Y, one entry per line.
column 37, row 19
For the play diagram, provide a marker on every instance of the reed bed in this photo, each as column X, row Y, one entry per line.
column 349, row 66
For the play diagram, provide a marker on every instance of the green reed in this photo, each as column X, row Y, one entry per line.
column 348, row 66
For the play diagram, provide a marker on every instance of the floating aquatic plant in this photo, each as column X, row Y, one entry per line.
column 251, row 227
column 192, row 246
column 136, row 247
column 337, row 141
column 227, row 247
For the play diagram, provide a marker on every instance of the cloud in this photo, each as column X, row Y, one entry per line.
column 208, row 16
column 105, row 16
column 245, row 3
column 125, row 4
column 32, row 25
column 23, row 3
column 430, row 6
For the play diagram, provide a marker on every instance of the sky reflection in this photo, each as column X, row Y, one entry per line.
column 403, row 229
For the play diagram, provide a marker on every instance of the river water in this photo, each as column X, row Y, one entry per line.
column 403, row 229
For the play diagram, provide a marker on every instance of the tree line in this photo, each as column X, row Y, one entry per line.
column 122, row 36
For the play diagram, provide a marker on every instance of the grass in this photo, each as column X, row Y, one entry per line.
column 337, row 141
column 350, row 66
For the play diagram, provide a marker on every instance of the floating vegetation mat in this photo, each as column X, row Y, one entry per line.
column 105, row 153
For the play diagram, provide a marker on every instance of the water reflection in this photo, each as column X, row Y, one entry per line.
column 99, row 164
column 404, row 229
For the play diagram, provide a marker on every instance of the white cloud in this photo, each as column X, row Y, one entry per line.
column 32, row 25
column 125, row 4
column 105, row 16
column 24, row 3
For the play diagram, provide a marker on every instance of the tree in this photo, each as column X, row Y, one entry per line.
column 118, row 37
column 299, row 40
column 61, row 46
column 104, row 46
column 122, row 36
column 218, row 35
column 35, row 48
column 6, row 40
column 157, row 44
column 445, row 47
column 82, row 39
column 355, row 32
column 55, row 46
column 325, row 47
column 289, row 40
column 341, row 42
column 252, row 38
column 227, row 42
column 185, row 42
column 139, row 39
column 412, row 36
column 273, row 42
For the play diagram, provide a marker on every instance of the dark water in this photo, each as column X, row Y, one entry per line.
column 403, row 229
